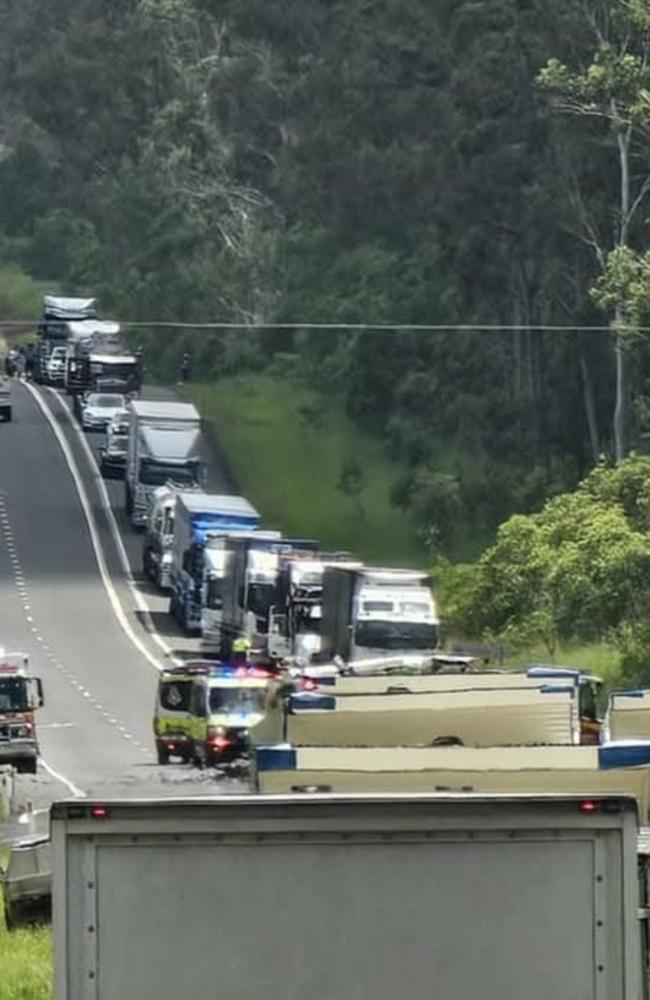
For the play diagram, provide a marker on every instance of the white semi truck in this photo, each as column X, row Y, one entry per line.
column 456, row 897
column 371, row 612
column 164, row 446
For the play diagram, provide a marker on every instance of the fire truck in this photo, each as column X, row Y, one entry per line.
column 20, row 696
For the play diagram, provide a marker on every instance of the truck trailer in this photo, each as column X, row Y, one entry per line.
column 610, row 768
column 99, row 360
column 457, row 897
column 196, row 517
column 369, row 612
column 239, row 601
column 164, row 446
column 482, row 718
column 53, row 332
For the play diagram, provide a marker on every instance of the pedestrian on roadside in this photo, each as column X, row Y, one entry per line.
column 186, row 368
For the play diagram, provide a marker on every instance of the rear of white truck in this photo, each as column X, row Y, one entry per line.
column 463, row 897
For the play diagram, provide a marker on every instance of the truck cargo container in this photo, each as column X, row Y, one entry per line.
column 628, row 715
column 474, row 718
column 371, row 612
column 53, row 331
column 164, row 446
column 610, row 768
column 587, row 686
column 461, row 897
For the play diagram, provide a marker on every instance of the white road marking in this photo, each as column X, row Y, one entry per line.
column 113, row 597
column 78, row 794
column 141, row 604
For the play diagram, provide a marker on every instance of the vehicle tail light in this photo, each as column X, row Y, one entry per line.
column 218, row 737
column 589, row 806
column 99, row 812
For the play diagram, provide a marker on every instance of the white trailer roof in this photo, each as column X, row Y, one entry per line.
column 87, row 327
column 164, row 409
column 68, row 308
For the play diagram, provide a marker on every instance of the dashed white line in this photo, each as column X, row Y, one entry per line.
column 113, row 597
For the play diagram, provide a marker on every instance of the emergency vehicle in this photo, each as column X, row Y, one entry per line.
column 204, row 710
column 20, row 696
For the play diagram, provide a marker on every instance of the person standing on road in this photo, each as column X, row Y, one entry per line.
column 186, row 368
column 241, row 648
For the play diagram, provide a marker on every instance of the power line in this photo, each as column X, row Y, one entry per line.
column 354, row 327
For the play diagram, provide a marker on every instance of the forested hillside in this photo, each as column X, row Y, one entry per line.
column 366, row 161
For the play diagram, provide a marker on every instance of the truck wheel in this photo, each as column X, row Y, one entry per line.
column 10, row 921
column 173, row 607
column 163, row 755
column 29, row 766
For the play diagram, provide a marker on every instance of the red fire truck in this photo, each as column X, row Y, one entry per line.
column 20, row 696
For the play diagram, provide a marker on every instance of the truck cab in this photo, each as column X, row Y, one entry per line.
column 197, row 518
column 20, row 696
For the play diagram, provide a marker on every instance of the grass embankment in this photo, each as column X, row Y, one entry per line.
column 598, row 658
column 25, row 959
column 308, row 469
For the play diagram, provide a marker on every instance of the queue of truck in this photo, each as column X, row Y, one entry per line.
column 420, row 823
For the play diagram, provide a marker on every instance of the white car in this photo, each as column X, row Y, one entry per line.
column 119, row 422
column 99, row 408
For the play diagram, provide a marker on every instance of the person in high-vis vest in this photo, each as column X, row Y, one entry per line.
column 241, row 647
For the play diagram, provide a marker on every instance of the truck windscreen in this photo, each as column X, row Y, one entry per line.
column 14, row 694
column 157, row 474
column 396, row 635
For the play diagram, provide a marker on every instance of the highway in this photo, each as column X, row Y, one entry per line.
column 97, row 640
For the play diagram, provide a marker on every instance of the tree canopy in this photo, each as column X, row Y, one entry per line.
column 348, row 162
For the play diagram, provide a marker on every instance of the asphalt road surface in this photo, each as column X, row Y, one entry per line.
column 96, row 641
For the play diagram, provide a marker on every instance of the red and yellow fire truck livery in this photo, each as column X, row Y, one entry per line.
column 20, row 696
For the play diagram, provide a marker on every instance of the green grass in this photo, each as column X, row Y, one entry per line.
column 598, row 657
column 25, row 959
column 26, row 964
column 287, row 448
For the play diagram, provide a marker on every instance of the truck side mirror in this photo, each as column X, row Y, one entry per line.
column 39, row 689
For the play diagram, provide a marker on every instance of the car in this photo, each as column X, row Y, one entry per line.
column 119, row 422
column 113, row 453
column 99, row 408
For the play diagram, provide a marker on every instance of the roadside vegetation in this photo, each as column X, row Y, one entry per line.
column 25, row 959
column 311, row 471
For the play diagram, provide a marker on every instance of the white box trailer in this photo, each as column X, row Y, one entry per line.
column 456, row 897
column 474, row 718
column 628, row 715
column 610, row 769
column 163, row 446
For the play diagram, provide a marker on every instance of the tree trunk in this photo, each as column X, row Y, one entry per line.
column 621, row 407
column 590, row 408
column 620, row 410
